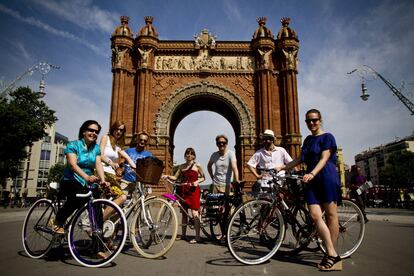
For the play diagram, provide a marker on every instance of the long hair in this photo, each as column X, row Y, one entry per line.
column 121, row 141
column 85, row 126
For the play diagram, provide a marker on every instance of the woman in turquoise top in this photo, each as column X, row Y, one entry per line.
column 83, row 156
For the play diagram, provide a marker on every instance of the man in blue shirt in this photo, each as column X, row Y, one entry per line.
column 139, row 152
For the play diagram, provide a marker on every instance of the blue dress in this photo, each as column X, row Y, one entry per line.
column 325, row 187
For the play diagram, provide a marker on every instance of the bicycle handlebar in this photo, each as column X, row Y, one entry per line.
column 88, row 194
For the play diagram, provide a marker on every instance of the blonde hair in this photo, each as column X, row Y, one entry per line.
column 121, row 141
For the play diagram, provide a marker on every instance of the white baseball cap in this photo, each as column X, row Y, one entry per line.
column 268, row 132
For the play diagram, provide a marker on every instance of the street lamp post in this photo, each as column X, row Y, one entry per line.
column 365, row 71
column 42, row 67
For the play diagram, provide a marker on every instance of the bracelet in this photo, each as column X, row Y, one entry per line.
column 311, row 173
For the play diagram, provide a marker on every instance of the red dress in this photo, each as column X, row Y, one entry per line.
column 191, row 194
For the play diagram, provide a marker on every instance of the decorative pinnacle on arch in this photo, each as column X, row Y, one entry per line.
column 149, row 19
column 262, row 20
column 124, row 19
column 285, row 21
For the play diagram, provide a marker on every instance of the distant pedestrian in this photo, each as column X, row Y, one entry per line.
column 357, row 180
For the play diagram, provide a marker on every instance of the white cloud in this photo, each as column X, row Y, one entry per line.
column 324, row 84
column 82, row 13
column 73, row 109
column 46, row 27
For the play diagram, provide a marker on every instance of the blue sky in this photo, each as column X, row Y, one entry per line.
column 335, row 37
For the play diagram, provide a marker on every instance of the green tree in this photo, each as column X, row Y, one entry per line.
column 24, row 118
column 399, row 171
column 56, row 173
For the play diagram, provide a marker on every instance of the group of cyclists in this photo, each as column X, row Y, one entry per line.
column 88, row 161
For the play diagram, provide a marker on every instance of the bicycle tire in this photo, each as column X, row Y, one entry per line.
column 204, row 222
column 351, row 229
column 249, row 244
column 299, row 230
column 37, row 233
column 109, row 238
column 156, row 239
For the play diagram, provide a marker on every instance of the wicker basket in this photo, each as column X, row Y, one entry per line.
column 149, row 170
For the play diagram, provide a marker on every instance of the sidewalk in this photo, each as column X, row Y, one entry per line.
column 391, row 214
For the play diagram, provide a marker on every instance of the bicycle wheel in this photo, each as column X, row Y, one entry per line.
column 153, row 228
column 37, row 233
column 351, row 229
column 298, row 230
column 92, row 241
column 255, row 232
column 204, row 222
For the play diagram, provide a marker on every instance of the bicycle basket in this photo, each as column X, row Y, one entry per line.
column 149, row 170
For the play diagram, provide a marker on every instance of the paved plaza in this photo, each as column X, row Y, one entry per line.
column 386, row 250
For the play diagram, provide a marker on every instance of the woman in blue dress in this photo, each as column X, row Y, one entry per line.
column 322, row 186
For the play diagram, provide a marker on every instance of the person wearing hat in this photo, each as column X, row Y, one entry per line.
column 269, row 156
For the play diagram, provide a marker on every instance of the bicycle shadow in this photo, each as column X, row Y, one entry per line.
column 303, row 258
column 63, row 255
column 129, row 250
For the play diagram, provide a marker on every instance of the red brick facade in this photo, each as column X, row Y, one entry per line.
column 251, row 83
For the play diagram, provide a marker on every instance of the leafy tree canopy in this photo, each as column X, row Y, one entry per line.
column 399, row 171
column 56, row 173
column 24, row 118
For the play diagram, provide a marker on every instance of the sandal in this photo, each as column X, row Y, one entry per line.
column 102, row 255
column 181, row 237
column 330, row 263
column 194, row 241
column 58, row 230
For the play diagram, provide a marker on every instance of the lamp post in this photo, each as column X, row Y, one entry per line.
column 42, row 67
column 366, row 71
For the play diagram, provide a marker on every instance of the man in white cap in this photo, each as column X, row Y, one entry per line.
column 268, row 157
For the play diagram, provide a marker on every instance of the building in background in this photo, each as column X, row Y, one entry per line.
column 373, row 160
column 34, row 170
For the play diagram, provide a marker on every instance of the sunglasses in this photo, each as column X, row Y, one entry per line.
column 93, row 130
column 143, row 140
column 120, row 129
column 268, row 138
column 311, row 120
column 190, row 152
column 220, row 143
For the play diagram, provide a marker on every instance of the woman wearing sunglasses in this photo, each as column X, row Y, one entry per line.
column 83, row 156
column 111, row 147
column 323, row 191
column 190, row 174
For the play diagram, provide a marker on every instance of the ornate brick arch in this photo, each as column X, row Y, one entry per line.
column 205, row 88
column 252, row 84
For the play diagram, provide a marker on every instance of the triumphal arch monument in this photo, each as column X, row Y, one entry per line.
column 156, row 83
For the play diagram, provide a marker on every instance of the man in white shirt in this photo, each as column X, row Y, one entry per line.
column 268, row 157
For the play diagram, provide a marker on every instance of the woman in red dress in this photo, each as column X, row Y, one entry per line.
column 190, row 175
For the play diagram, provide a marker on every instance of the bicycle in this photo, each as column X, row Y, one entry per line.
column 174, row 198
column 267, row 218
column 152, row 229
column 87, row 233
column 219, row 208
